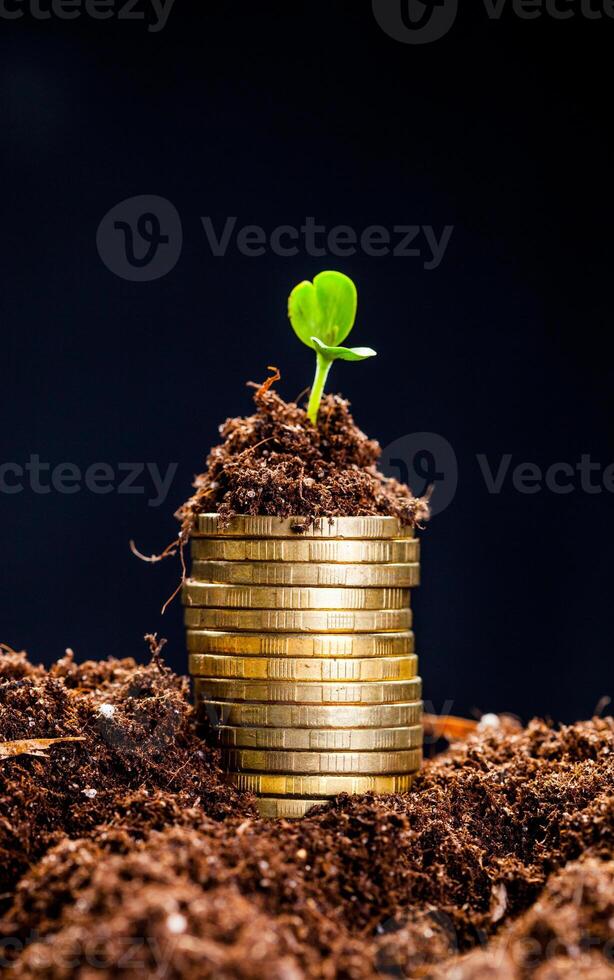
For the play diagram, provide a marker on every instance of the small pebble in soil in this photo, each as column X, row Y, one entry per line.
column 106, row 710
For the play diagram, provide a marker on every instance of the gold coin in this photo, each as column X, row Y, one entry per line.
column 312, row 692
column 322, row 740
column 286, row 597
column 401, row 576
column 339, row 716
column 318, row 786
column 322, row 763
column 311, row 669
column 301, row 644
column 305, row 550
column 243, row 526
column 285, row 808
column 300, row 620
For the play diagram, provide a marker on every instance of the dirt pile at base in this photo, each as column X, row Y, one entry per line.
column 126, row 854
column 567, row 933
column 277, row 463
column 140, row 766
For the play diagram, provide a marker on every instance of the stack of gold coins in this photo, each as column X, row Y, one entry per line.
column 302, row 655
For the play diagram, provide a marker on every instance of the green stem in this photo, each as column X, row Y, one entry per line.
column 323, row 366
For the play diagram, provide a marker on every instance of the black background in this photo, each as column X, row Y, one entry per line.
column 271, row 112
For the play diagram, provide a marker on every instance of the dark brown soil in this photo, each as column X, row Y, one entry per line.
column 277, row 463
column 126, row 855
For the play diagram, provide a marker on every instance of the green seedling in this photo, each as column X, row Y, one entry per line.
column 322, row 314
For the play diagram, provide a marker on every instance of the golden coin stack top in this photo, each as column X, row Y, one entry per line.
column 302, row 655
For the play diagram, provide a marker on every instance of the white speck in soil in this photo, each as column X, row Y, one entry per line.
column 176, row 923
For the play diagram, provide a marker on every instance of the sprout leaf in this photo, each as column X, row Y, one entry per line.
column 322, row 313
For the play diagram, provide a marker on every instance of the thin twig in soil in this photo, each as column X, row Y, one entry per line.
column 169, row 552
column 276, row 376
column 301, row 394
column 448, row 726
column 7, row 648
column 184, row 575
column 250, row 449
column 34, row 746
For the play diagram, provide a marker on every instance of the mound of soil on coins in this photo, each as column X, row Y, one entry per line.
column 123, row 853
column 277, row 463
